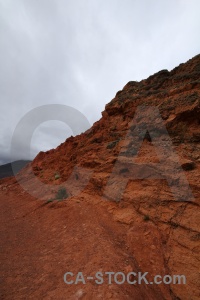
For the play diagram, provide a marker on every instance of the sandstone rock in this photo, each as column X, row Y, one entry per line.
column 145, row 230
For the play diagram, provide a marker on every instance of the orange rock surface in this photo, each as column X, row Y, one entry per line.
column 146, row 230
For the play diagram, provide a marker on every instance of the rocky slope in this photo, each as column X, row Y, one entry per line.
column 120, row 214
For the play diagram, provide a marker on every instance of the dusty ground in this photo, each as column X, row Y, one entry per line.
column 40, row 243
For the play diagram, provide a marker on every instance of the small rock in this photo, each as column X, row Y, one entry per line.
column 79, row 294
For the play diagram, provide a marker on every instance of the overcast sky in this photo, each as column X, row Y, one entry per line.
column 80, row 53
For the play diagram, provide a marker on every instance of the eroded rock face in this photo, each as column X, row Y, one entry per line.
column 161, row 234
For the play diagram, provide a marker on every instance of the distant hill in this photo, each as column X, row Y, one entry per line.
column 6, row 170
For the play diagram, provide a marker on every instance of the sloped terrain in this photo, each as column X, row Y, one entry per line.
column 117, row 216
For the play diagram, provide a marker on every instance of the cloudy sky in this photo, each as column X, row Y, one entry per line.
column 80, row 53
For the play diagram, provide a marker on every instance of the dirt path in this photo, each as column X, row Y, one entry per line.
column 40, row 243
